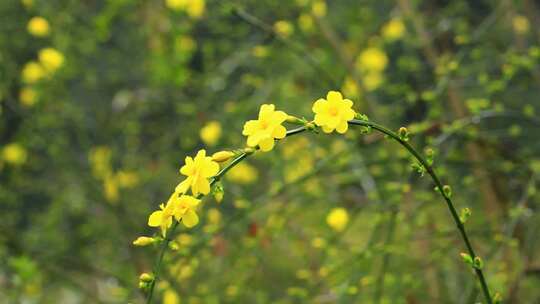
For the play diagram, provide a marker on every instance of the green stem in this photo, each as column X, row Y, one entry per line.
column 170, row 232
column 437, row 181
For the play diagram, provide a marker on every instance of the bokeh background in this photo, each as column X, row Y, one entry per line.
column 100, row 101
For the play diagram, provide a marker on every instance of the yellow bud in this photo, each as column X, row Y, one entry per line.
column 294, row 120
column 222, row 156
column 146, row 277
column 143, row 241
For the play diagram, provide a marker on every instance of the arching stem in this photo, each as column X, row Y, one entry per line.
column 439, row 185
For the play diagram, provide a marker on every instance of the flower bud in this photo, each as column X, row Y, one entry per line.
column 143, row 241
column 222, row 156
column 294, row 120
column 146, row 277
column 249, row 150
column 403, row 134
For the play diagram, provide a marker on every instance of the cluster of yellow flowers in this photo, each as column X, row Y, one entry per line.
column 202, row 171
column 49, row 61
column 100, row 162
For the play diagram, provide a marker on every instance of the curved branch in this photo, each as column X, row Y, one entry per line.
column 437, row 181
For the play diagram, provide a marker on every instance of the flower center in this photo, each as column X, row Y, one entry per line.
column 264, row 125
column 333, row 111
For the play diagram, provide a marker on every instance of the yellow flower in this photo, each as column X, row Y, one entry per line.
column 110, row 187
column 143, row 241
column 32, row 72
column 372, row 80
column 394, row 29
column 211, row 133
column 38, row 26
column 372, row 60
column 27, row 97
column 264, row 130
column 184, row 210
column 170, row 297
column 198, row 170
column 306, row 22
column 194, row 8
column 337, row 219
column 350, row 87
column 162, row 218
column 319, row 8
column 333, row 113
column 14, row 154
column 521, row 24
column 51, row 59
column 127, row 179
column 283, row 28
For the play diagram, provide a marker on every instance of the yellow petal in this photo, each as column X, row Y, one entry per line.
column 319, row 106
column 279, row 132
column 334, row 96
column 342, row 127
column 155, row 218
column 321, row 119
column 253, row 140
column 266, row 144
column 201, row 186
column 183, row 186
column 279, row 117
column 250, row 127
column 327, row 129
column 347, row 103
column 187, row 167
column 210, row 169
column 190, row 219
column 266, row 109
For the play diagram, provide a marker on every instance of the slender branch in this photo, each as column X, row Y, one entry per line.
column 439, row 185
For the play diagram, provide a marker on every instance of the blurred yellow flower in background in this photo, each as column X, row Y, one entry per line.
column 27, row 97
column 266, row 128
column 170, row 297
column 318, row 8
column 51, row 59
column 333, row 113
column 350, row 87
column 394, row 29
column 194, row 8
column 283, row 28
column 100, row 161
column 521, row 24
column 243, row 173
column 211, row 133
column 197, row 170
column 38, row 26
column 372, row 59
column 14, row 154
column 306, row 22
column 372, row 80
column 110, row 188
column 337, row 219
column 32, row 72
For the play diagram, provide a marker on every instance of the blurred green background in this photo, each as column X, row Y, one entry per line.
column 100, row 101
